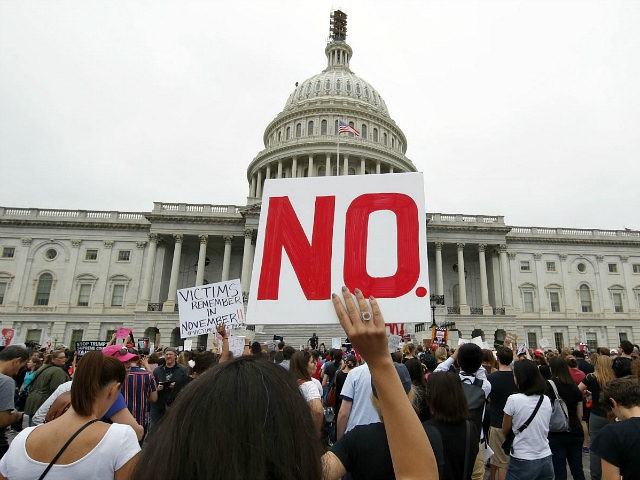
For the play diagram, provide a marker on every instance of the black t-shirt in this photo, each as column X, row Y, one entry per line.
column 502, row 385
column 593, row 386
column 619, row 443
column 622, row 366
column 365, row 454
column 454, row 448
column 585, row 366
column 330, row 370
column 340, row 378
column 571, row 395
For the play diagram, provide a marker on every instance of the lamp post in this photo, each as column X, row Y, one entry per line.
column 435, row 301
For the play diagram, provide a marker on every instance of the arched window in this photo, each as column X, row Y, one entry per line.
column 352, row 126
column 363, row 131
column 375, row 134
column 366, row 93
column 310, row 128
column 358, row 88
column 335, row 131
column 585, row 299
column 323, row 127
column 327, row 84
column 318, row 86
column 280, row 136
column 43, row 291
column 288, row 133
column 348, row 86
column 384, row 138
column 298, row 130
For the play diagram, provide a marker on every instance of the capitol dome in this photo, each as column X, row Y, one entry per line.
column 302, row 140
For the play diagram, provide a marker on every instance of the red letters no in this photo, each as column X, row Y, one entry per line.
column 311, row 261
column 408, row 245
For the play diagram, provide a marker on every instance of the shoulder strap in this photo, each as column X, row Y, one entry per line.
column 64, row 447
column 533, row 414
column 555, row 390
column 466, row 450
column 38, row 373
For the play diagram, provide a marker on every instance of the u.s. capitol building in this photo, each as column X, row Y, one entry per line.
column 68, row 275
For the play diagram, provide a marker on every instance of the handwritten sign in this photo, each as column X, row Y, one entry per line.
column 393, row 342
column 439, row 337
column 336, row 343
column 205, row 307
column 544, row 343
column 236, row 345
column 86, row 346
column 123, row 332
column 319, row 233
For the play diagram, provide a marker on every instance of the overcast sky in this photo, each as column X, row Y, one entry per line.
column 528, row 109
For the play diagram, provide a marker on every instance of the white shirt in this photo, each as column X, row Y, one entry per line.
column 532, row 443
column 357, row 388
column 41, row 414
column 117, row 447
column 310, row 391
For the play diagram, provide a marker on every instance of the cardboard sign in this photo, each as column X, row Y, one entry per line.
column 320, row 233
column 336, row 343
column 439, row 336
column 394, row 343
column 236, row 345
column 87, row 346
column 188, row 344
column 205, row 307
column 7, row 336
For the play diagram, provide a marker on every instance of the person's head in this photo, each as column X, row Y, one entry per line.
column 154, row 358
column 245, row 430
column 396, row 357
column 621, row 367
column 405, row 379
column 578, row 354
column 469, row 357
column 636, row 352
column 613, row 353
column 429, row 361
column 408, row 349
column 441, row 354
column 288, row 352
column 528, row 378
column 203, row 361
column 505, row 356
column 96, row 384
column 604, row 351
column 336, row 356
column 539, row 357
column 488, row 359
column 12, row 359
column 621, row 394
column 571, row 361
column 416, row 372
column 560, row 371
column 58, row 358
column 256, row 349
column 603, row 370
column 280, row 345
column 446, row 398
column 170, row 357
column 127, row 357
column 315, row 354
column 351, row 362
column 322, row 348
column 302, row 366
column 626, row 347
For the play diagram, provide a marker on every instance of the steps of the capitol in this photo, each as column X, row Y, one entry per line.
column 296, row 335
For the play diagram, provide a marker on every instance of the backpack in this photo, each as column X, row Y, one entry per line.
column 559, row 413
column 475, row 400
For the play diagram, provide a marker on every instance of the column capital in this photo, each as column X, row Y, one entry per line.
column 624, row 258
column 563, row 256
column 108, row 243
column 512, row 255
column 460, row 245
column 141, row 244
column 482, row 247
column 153, row 237
column 439, row 245
column 600, row 258
column 178, row 237
column 203, row 239
column 537, row 256
column 248, row 233
column 75, row 242
column 228, row 239
column 26, row 241
column 502, row 248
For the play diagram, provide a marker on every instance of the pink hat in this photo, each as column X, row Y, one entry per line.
column 119, row 352
column 538, row 352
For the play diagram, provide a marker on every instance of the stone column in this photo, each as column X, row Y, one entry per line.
column 391, row 169
column 15, row 286
column 294, row 167
column 565, row 306
column 362, row 166
column 345, row 168
column 507, row 299
column 252, row 189
column 147, row 282
column 259, row 185
column 377, row 166
column 327, row 168
column 173, row 279
column 268, row 174
column 310, row 167
column 226, row 258
column 246, row 261
column 439, row 279
column 279, row 169
column 202, row 256
column 540, row 291
column 462, row 284
column 484, row 289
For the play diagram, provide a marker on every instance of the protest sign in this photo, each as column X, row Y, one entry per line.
column 395, row 328
column 317, row 234
column 544, row 343
column 236, row 345
column 452, row 337
column 393, row 342
column 122, row 332
column 462, row 341
column 205, row 307
column 478, row 341
column 86, row 346
column 336, row 343
column 188, row 344
column 272, row 345
column 7, row 336
column 439, row 336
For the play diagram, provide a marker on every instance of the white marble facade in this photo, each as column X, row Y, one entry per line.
column 74, row 274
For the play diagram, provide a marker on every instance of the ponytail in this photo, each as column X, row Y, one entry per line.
column 93, row 373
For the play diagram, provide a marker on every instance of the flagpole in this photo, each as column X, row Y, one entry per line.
column 338, row 152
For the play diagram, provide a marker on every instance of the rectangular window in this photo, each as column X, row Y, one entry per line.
column 554, row 300
column 525, row 266
column 8, row 252
column 76, row 336
column 623, row 337
column 117, row 299
column 532, row 339
column 91, row 255
column 613, row 268
column 617, row 302
column 124, row 255
column 528, row 301
column 559, row 340
column 34, row 335
column 551, row 266
column 592, row 341
column 84, row 295
column 109, row 335
column 636, row 268
column 3, row 291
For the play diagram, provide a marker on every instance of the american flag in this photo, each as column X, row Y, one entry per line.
column 344, row 128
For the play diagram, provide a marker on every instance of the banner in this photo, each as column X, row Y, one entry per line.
column 86, row 346
column 317, row 234
column 202, row 309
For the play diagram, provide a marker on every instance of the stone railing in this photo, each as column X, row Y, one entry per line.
column 453, row 310
column 154, row 307
column 475, row 310
column 574, row 232
column 498, row 310
column 194, row 209
column 447, row 218
column 71, row 215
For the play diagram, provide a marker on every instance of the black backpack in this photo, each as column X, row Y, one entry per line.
column 475, row 400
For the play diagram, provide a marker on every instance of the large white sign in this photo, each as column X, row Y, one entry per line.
column 205, row 307
column 317, row 234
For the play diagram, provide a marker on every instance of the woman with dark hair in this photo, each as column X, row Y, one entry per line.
column 566, row 447
column 302, row 367
column 95, row 450
column 530, row 454
column 417, row 371
column 329, row 370
column 349, row 364
column 449, row 412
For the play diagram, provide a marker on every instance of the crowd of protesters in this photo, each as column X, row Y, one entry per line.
column 358, row 412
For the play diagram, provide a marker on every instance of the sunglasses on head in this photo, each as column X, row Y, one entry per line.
column 122, row 351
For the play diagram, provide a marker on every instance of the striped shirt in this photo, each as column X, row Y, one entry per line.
column 136, row 390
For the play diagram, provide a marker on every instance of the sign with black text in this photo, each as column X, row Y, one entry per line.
column 86, row 346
